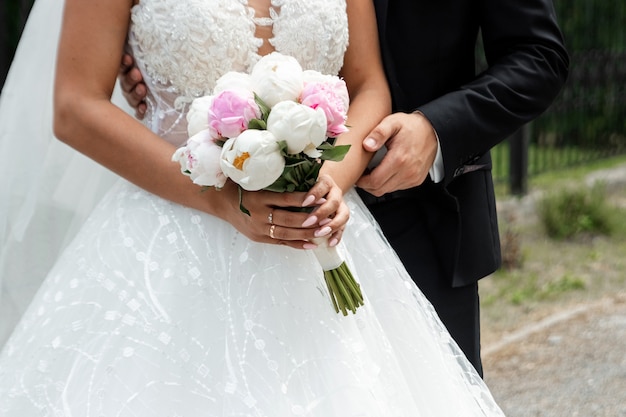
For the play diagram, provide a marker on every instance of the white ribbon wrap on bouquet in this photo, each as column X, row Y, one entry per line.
column 328, row 257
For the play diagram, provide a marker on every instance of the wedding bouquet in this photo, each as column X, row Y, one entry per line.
column 271, row 130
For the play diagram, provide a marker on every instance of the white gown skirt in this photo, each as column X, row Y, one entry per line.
column 157, row 310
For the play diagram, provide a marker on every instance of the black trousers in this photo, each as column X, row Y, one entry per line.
column 404, row 221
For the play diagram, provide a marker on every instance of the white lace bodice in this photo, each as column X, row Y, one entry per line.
column 184, row 46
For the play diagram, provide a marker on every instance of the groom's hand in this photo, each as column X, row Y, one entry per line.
column 133, row 86
column 411, row 149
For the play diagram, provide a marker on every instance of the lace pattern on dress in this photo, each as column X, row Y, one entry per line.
column 175, row 43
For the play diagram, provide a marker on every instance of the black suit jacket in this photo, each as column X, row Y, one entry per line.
column 428, row 52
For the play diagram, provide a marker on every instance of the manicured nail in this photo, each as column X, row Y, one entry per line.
column 323, row 231
column 325, row 221
column 320, row 201
column 309, row 246
column 333, row 242
column 307, row 201
column 370, row 143
column 310, row 221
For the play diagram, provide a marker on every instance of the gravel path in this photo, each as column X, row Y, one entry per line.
column 570, row 364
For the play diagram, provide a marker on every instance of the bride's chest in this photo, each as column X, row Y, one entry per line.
column 190, row 43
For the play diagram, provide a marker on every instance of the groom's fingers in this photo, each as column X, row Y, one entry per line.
column 379, row 181
column 128, row 78
column 379, row 136
column 132, row 84
column 126, row 64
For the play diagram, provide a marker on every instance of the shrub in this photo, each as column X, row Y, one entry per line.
column 511, row 247
column 584, row 211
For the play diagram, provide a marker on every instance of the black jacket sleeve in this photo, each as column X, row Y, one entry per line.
column 527, row 67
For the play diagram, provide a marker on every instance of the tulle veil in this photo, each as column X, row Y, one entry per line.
column 46, row 188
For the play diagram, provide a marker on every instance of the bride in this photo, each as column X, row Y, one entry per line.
column 172, row 302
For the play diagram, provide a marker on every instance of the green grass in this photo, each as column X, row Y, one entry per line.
column 575, row 173
column 518, row 289
column 554, row 273
column 544, row 159
column 569, row 175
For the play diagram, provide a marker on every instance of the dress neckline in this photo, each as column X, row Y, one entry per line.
column 263, row 22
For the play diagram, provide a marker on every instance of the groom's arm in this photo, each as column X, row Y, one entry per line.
column 528, row 65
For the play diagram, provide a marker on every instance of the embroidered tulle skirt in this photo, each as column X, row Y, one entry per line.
column 159, row 310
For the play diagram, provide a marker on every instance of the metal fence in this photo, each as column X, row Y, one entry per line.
column 587, row 121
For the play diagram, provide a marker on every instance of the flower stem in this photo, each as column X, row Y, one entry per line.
column 344, row 290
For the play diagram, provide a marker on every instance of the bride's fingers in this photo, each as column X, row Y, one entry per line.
column 328, row 210
column 282, row 208
column 336, row 223
column 272, row 218
column 335, row 238
column 294, row 238
column 270, row 224
column 319, row 191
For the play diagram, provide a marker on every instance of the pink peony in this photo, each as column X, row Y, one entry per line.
column 231, row 111
column 330, row 96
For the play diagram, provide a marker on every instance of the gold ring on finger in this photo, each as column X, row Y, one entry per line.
column 272, row 228
column 270, row 217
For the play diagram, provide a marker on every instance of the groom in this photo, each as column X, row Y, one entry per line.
column 432, row 192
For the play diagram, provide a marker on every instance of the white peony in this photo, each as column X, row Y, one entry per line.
column 198, row 115
column 200, row 160
column 252, row 159
column 302, row 127
column 277, row 77
column 233, row 81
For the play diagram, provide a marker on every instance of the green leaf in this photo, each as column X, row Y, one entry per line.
column 265, row 109
column 241, row 207
column 257, row 124
column 282, row 146
column 280, row 185
column 326, row 145
column 334, row 153
column 292, row 162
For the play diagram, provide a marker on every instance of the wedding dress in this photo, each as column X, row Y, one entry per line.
column 155, row 309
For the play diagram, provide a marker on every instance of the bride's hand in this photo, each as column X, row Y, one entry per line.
column 272, row 217
column 331, row 214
